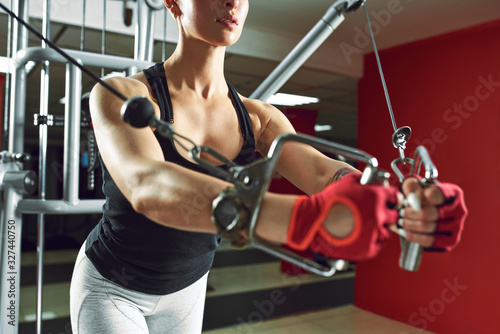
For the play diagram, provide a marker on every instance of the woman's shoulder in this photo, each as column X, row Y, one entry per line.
column 258, row 108
column 268, row 122
column 104, row 102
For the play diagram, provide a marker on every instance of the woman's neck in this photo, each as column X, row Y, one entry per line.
column 198, row 67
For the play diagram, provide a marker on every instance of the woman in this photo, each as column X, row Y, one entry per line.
column 143, row 269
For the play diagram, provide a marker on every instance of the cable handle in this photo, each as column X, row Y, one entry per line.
column 411, row 253
column 259, row 174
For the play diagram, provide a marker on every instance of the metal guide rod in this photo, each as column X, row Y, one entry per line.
column 42, row 166
column 84, row 18
column 103, row 31
column 144, row 37
column 304, row 49
column 7, row 85
column 164, row 40
column 138, row 30
column 149, row 37
column 72, row 116
column 18, row 83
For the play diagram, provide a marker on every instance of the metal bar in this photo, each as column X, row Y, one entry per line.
column 82, row 32
column 17, row 111
column 18, row 91
column 59, row 207
column 144, row 37
column 10, row 283
column 86, row 58
column 72, row 134
column 5, row 120
column 42, row 167
column 138, row 31
column 149, row 35
column 306, row 47
column 103, row 32
column 10, row 264
column 164, row 40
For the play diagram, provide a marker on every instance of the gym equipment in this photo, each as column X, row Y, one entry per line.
column 250, row 182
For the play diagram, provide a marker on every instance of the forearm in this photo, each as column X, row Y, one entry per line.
column 177, row 197
column 308, row 169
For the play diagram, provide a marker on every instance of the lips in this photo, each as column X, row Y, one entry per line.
column 229, row 19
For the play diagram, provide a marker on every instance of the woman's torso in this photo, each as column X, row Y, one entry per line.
column 134, row 251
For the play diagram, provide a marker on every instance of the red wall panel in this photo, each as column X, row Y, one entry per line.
column 447, row 89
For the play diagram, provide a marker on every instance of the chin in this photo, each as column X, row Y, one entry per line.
column 227, row 39
column 224, row 43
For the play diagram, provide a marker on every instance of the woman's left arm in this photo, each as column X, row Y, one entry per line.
column 304, row 166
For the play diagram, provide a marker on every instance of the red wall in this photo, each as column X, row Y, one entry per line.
column 439, row 87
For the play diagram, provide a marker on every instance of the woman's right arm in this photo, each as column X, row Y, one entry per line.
column 165, row 192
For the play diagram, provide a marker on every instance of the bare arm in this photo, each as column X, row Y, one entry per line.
column 135, row 161
column 303, row 165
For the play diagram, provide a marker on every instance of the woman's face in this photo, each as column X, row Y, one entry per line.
column 217, row 22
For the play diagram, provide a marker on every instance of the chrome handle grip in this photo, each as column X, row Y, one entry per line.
column 411, row 253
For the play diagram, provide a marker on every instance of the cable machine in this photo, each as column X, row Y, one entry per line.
column 250, row 182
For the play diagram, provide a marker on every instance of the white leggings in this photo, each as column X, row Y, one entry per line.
column 99, row 305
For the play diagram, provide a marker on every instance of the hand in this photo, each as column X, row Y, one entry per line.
column 438, row 225
column 372, row 208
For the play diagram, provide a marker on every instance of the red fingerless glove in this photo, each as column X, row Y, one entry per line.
column 371, row 208
column 451, row 218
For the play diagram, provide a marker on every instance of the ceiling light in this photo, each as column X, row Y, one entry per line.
column 282, row 99
column 322, row 128
column 113, row 75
